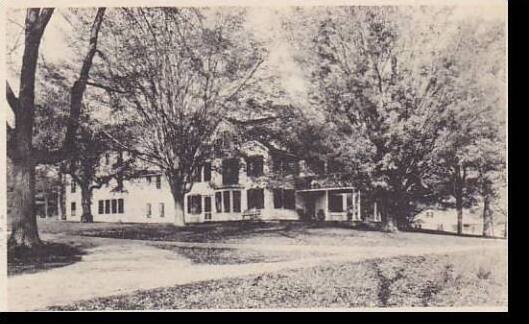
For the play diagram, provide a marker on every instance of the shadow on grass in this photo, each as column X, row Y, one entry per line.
column 222, row 256
column 50, row 255
column 427, row 231
column 209, row 232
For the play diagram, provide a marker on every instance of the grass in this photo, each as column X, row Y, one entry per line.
column 277, row 232
column 459, row 279
column 49, row 255
column 201, row 255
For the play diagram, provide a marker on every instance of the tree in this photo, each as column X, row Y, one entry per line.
column 90, row 165
column 404, row 85
column 20, row 146
column 176, row 73
column 368, row 76
column 473, row 121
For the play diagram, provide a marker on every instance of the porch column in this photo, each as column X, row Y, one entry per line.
column 354, row 210
column 352, row 204
column 326, row 212
column 46, row 205
column 358, row 206
column 375, row 211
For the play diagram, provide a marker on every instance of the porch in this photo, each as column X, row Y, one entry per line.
column 331, row 204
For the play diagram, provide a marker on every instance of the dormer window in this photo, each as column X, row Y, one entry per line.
column 230, row 171
column 285, row 165
column 255, row 166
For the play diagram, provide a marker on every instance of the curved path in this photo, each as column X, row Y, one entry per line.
column 117, row 266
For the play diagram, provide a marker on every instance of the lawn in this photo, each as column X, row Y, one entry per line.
column 277, row 232
column 458, row 279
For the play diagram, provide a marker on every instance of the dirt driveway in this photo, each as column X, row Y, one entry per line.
column 116, row 266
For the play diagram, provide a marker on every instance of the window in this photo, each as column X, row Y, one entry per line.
column 226, row 198
column 149, row 180
column 289, row 199
column 73, row 185
column 107, row 206
column 284, row 198
column 73, row 207
column 121, row 207
column 194, row 204
column 236, row 201
column 207, row 204
column 149, row 210
column 218, row 202
column 285, row 165
column 207, row 171
column 162, row 209
column 278, row 198
column 254, row 166
column 207, row 207
column 101, row 207
column 255, row 198
column 335, row 203
column 114, row 206
column 290, row 166
column 230, row 171
column 158, row 182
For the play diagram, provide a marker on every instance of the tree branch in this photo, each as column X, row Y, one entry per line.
column 12, row 100
column 104, row 87
column 76, row 97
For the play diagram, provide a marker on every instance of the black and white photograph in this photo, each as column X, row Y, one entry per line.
column 230, row 155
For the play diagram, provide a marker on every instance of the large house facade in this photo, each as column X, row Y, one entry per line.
column 256, row 182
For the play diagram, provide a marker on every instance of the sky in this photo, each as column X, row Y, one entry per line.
column 264, row 22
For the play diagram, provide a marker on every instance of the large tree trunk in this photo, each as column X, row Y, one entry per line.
column 86, row 204
column 488, row 228
column 24, row 231
column 61, row 204
column 178, row 192
column 389, row 221
column 24, row 223
column 458, row 194
column 179, row 211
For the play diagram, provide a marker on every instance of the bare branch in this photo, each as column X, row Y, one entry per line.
column 76, row 96
column 11, row 99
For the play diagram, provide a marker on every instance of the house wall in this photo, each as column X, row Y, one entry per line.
column 136, row 196
column 446, row 221
column 138, row 193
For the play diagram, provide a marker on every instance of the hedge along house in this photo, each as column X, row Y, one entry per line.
column 253, row 181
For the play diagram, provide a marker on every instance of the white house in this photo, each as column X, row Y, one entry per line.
column 445, row 220
column 259, row 182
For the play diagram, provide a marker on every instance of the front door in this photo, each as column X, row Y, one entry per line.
column 310, row 207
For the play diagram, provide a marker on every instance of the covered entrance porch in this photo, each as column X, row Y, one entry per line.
column 331, row 204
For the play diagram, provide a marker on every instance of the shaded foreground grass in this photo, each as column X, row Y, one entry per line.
column 202, row 255
column 458, row 279
column 49, row 255
column 259, row 232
